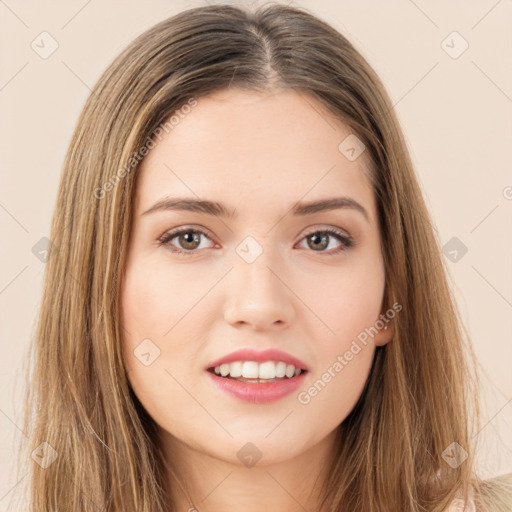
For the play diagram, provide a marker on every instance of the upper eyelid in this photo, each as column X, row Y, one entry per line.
column 174, row 232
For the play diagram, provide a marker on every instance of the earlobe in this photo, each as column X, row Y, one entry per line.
column 385, row 335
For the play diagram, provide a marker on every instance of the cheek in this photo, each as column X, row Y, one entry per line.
column 343, row 359
column 350, row 306
column 153, row 301
column 144, row 301
column 350, row 302
column 159, row 324
column 332, row 393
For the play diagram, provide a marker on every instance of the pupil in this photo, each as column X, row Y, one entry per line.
column 318, row 239
column 190, row 238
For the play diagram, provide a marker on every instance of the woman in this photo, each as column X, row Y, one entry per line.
column 252, row 310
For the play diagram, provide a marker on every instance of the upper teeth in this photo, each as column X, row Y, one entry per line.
column 254, row 370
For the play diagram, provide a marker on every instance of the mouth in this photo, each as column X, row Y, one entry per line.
column 258, row 377
column 256, row 383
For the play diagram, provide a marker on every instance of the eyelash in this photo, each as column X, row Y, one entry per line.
column 346, row 241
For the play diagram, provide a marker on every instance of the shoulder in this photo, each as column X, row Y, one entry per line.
column 492, row 495
column 459, row 505
column 463, row 505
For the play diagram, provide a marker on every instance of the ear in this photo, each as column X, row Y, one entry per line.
column 384, row 335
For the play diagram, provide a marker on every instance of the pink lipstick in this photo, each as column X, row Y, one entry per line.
column 258, row 377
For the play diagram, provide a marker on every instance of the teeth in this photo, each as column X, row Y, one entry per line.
column 235, row 369
column 253, row 370
column 280, row 369
column 266, row 370
column 250, row 370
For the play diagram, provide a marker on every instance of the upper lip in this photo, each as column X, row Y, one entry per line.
column 270, row 354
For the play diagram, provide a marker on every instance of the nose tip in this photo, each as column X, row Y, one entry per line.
column 258, row 297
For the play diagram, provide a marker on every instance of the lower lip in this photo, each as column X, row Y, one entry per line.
column 255, row 392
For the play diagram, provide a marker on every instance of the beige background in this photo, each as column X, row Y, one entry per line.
column 456, row 114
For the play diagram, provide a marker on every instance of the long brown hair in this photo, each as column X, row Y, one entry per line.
column 415, row 405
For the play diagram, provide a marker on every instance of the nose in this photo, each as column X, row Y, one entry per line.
column 258, row 293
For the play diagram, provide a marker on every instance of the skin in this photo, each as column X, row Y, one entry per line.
column 258, row 154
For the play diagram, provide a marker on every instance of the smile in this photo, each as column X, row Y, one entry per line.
column 252, row 370
column 257, row 383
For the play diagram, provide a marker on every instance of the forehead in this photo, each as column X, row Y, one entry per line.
column 249, row 149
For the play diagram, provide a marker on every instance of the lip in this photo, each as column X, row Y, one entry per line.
column 258, row 393
column 270, row 354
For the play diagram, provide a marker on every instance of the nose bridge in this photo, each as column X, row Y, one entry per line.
column 255, row 259
column 257, row 293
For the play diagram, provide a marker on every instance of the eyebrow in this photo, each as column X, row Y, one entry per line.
column 219, row 210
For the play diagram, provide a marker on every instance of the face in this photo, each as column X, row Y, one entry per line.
column 309, row 283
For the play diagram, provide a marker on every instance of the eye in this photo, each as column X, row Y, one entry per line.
column 320, row 239
column 189, row 240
